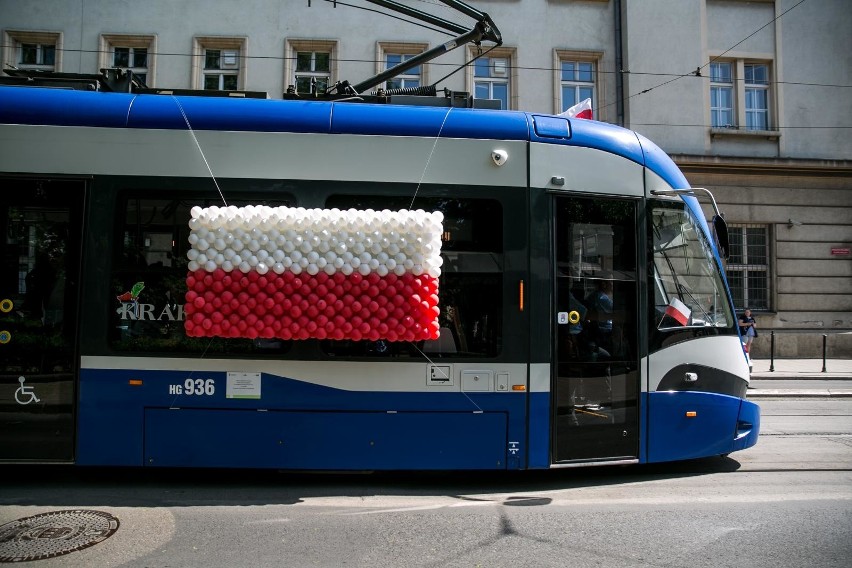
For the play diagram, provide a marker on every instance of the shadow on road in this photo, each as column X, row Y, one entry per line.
column 58, row 486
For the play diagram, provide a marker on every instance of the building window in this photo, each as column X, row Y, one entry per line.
column 310, row 65
column 391, row 54
column 577, row 81
column 37, row 55
column 313, row 71
column 32, row 50
column 220, row 64
column 491, row 79
column 135, row 53
column 757, row 96
column 410, row 78
column 721, row 96
column 494, row 76
column 740, row 96
column 748, row 266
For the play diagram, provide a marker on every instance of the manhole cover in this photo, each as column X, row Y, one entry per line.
column 54, row 534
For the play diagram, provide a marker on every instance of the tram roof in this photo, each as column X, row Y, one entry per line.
column 61, row 107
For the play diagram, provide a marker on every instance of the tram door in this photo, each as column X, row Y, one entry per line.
column 595, row 370
column 41, row 224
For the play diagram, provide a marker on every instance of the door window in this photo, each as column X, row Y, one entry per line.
column 595, row 367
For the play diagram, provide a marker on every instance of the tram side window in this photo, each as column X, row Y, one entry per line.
column 470, row 285
column 687, row 286
column 149, row 280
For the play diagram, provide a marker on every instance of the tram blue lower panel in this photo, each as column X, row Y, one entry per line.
column 324, row 440
column 721, row 424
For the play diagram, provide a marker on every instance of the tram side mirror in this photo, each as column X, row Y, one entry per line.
column 720, row 228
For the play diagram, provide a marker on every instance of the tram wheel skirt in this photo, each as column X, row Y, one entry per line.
column 324, row 440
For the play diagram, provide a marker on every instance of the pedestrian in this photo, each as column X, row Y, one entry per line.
column 748, row 329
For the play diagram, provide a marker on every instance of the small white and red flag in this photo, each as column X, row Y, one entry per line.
column 583, row 109
column 678, row 311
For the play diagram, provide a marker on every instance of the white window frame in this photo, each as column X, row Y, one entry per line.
column 223, row 44
column 295, row 46
column 565, row 55
column 13, row 40
column 406, row 50
column 507, row 54
column 740, row 101
column 755, row 87
column 718, row 86
column 110, row 42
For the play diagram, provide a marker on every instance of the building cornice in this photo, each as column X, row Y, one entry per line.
column 691, row 163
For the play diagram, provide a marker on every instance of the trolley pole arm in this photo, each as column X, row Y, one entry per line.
column 483, row 30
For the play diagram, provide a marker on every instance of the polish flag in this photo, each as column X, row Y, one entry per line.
column 295, row 273
column 583, row 109
column 678, row 311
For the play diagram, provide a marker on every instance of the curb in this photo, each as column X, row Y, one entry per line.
column 790, row 393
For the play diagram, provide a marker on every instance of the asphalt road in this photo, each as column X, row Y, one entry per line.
column 785, row 502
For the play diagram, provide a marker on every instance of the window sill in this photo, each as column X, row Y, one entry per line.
column 737, row 132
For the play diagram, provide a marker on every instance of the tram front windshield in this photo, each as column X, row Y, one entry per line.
column 688, row 287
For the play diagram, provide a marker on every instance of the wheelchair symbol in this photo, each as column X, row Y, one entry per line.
column 24, row 394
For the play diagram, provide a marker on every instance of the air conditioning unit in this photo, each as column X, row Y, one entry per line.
column 230, row 59
column 499, row 67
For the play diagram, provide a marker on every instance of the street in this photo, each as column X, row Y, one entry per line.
column 785, row 502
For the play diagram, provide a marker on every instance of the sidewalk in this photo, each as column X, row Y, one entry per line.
column 801, row 378
column 802, row 369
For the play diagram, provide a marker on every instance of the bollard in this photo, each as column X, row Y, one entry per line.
column 772, row 352
column 824, row 338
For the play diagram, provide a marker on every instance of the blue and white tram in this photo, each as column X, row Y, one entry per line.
column 584, row 315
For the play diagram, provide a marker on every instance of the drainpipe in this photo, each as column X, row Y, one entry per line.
column 619, row 65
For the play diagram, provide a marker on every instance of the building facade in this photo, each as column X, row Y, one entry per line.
column 753, row 99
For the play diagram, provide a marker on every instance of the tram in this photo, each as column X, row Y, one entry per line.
column 582, row 313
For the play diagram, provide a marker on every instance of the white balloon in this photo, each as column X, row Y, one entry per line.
column 192, row 266
column 227, row 266
column 262, row 268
